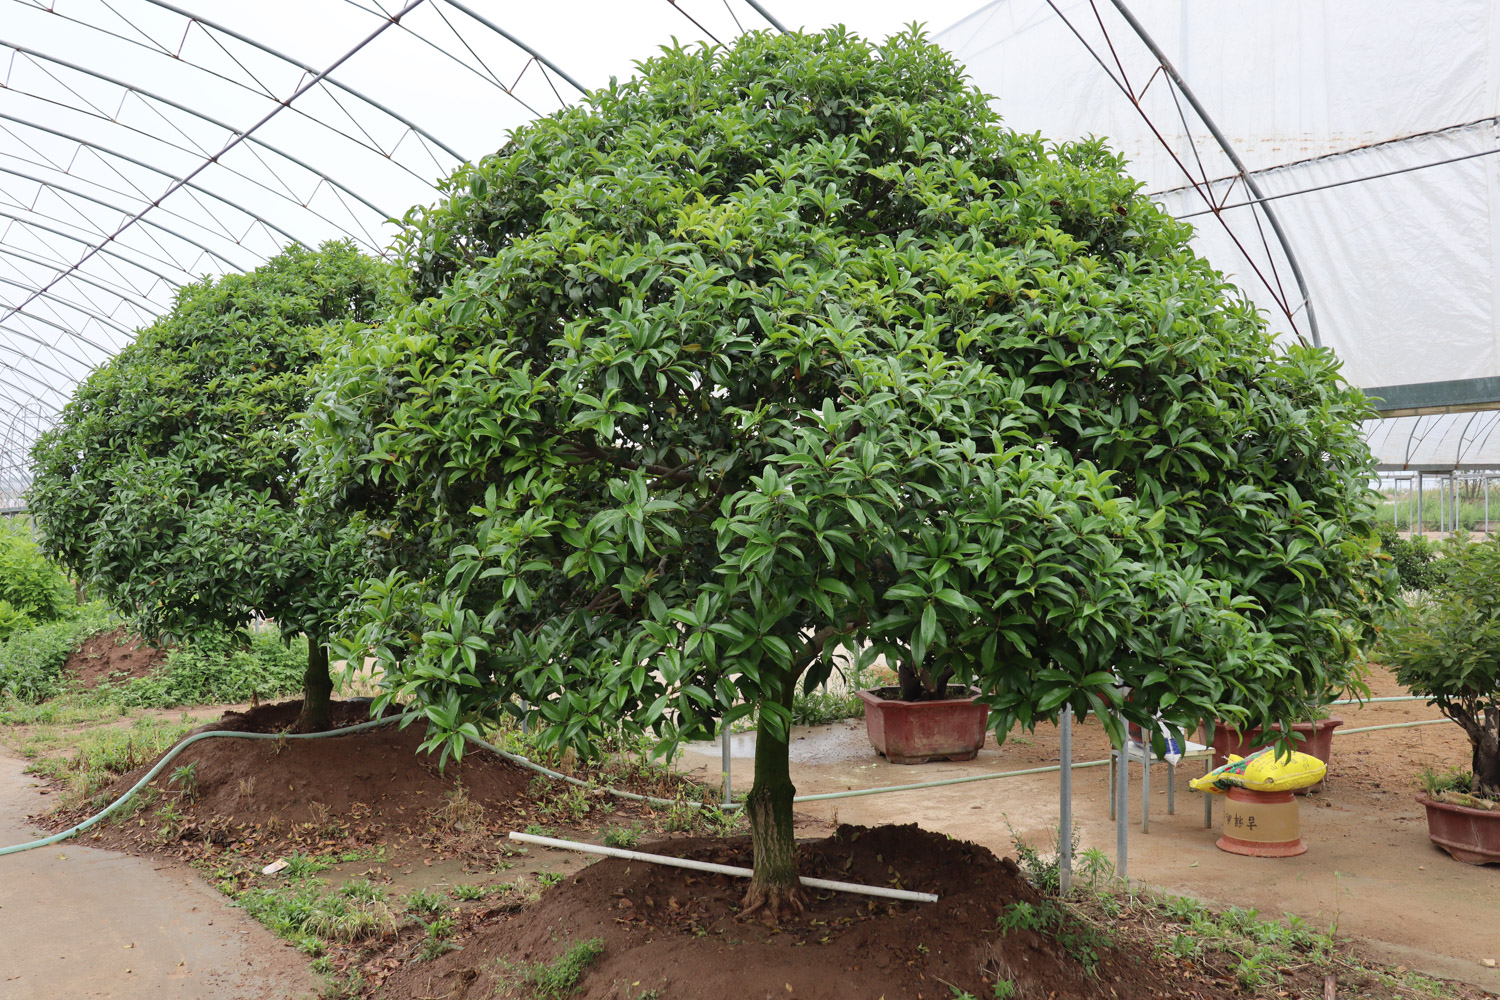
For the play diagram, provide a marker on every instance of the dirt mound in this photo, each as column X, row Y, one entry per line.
column 675, row 931
column 374, row 785
column 115, row 656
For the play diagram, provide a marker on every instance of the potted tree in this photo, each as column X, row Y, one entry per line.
column 923, row 717
column 1447, row 646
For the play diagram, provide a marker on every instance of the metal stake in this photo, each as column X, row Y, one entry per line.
column 724, row 745
column 1065, row 801
column 1122, row 809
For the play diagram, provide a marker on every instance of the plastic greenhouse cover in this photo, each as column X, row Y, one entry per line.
column 1401, row 270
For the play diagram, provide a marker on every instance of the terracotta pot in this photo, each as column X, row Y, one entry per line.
column 1470, row 835
column 1261, row 825
column 915, row 732
column 1317, row 739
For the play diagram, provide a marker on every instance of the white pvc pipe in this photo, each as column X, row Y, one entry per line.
column 708, row 866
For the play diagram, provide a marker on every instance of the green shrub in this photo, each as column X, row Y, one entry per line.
column 28, row 581
column 31, row 661
column 219, row 671
column 1412, row 557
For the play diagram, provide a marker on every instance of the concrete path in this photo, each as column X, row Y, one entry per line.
column 78, row 922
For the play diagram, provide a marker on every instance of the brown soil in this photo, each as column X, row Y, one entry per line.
column 372, row 787
column 111, row 656
column 676, row 931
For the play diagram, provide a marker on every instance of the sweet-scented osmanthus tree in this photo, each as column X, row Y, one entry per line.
column 791, row 347
column 170, row 483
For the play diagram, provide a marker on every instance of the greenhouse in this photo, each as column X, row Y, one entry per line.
column 855, row 476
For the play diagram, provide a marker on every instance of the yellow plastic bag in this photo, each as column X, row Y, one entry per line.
column 1263, row 771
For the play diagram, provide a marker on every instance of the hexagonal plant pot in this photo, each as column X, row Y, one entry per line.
column 1470, row 835
column 915, row 732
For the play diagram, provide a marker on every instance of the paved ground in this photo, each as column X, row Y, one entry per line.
column 1370, row 867
column 77, row 923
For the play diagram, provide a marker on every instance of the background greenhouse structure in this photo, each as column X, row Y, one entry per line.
column 1335, row 158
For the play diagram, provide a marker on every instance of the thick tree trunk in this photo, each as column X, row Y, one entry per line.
column 317, row 689
column 1487, row 757
column 774, row 887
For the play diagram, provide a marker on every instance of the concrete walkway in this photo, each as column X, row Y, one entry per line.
column 79, row 922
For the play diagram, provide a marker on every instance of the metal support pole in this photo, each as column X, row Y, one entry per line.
column 1145, row 782
column 1065, row 801
column 728, row 782
column 1419, row 526
column 1208, row 765
column 1122, row 809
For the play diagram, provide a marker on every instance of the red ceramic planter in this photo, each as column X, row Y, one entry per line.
column 1470, row 835
column 1317, row 739
column 915, row 732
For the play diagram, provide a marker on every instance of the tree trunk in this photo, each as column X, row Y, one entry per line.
column 1487, row 757
column 774, row 887
column 317, row 689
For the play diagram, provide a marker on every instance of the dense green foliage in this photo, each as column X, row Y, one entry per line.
column 791, row 346
column 31, row 587
column 1447, row 647
column 218, row 671
column 31, row 660
column 1412, row 557
column 170, row 483
column 792, row 342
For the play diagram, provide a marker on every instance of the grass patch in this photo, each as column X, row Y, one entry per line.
column 306, row 913
column 104, row 754
column 558, row 979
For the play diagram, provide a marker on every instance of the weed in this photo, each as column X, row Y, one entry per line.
column 537, row 830
column 344, row 919
column 1005, row 989
column 168, row 821
column 300, row 865
column 363, row 890
column 621, row 836
column 1078, row 939
column 426, row 901
column 437, row 940
column 558, row 979
column 246, row 787
column 571, row 806
column 548, row 879
column 470, row 892
column 1042, row 871
column 185, row 780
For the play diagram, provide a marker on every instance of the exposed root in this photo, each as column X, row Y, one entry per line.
column 772, row 902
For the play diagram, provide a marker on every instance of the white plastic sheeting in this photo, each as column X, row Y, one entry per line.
column 1402, row 270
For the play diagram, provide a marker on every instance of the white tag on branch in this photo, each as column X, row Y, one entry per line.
column 274, row 867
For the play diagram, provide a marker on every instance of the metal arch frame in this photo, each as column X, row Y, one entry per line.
column 145, row 94
column 69, row 236
column 54, row 186
column 134, row 280
column 115, row 208
column 268, row 50
column 95, row 314
column 1234, row 158
column 1197, row 185
column 54, row 324
column 239, row 137
column 240, row 134
column 126, row 295
column 208, row 192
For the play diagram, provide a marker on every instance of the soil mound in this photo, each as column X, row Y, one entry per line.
column 115, row 655
column 675, row 932
column 374, row 785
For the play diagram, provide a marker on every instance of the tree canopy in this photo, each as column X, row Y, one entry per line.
column 170, row 483
column 792, row 346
